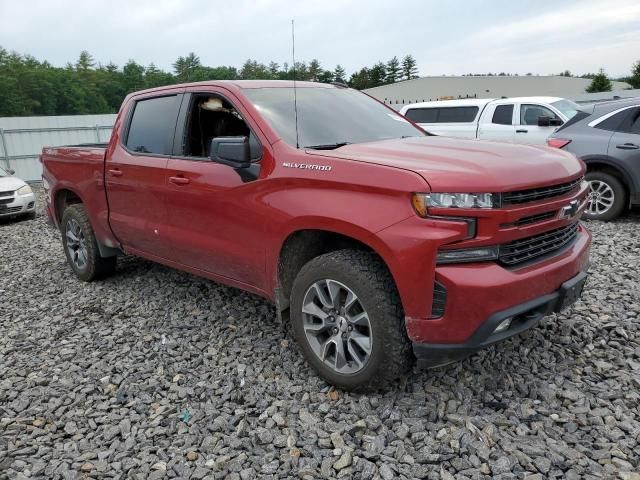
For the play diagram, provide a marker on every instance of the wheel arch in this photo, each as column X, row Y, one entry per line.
column 62, row 198
column 303, row 244
column 607, row 165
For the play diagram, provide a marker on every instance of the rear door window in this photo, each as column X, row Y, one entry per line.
column 152, row 125
column 503, row 115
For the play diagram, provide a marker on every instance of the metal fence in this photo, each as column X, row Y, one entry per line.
column 22, row 138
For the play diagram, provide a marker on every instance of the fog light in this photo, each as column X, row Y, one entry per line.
column 504, row 325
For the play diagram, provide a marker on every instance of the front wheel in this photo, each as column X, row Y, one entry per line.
column 81, row 247
column 348, row 320
column 607, row 196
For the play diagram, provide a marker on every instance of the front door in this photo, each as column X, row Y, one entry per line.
column 135, row 174
column 214, row 223
column 528, row 131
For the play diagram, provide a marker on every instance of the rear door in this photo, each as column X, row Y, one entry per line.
column 624, row 144
column 135, row 174
column 528, row 130
column 497, row 123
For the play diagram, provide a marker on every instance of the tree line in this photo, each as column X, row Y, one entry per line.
column 31, row 87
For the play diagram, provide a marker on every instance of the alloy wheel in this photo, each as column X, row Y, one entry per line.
column 76, row 244
column 601, row 197
column 337, row 326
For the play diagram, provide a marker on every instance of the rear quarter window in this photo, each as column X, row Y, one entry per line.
column 152, row 125
column 442, row 114
column 614, row 122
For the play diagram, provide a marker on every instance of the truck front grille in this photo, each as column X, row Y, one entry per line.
column 534, row 194
column 526, row 249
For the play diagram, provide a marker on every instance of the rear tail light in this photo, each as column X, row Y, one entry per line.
column 558, row 142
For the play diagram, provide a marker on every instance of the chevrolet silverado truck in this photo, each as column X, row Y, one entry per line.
column 528, row 120
column 379, row 244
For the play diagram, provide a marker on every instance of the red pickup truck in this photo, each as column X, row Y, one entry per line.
column 379, row 243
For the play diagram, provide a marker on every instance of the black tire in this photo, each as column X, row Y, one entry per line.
column 619, row 196
column 368, row 278
column 95, row 266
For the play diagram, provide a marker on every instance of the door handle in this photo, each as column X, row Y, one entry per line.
column 522, row 131
column 115, row 172
column 179, row 180
column 628, row 146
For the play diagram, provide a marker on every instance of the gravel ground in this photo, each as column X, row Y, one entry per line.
column 155, row 373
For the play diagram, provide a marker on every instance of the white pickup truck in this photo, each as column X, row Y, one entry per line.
column 520, row 119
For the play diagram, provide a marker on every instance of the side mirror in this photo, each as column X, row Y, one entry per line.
column 232, row 151
column 11, row 171
column 555, row 122
column 544, row 121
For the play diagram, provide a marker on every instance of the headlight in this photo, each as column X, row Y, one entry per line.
column 422, row 201
column 25, row 190
column 480, row 254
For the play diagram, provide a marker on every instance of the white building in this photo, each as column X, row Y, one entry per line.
column 426, row 89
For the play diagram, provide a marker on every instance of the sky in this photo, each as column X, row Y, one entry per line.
column 448, row 37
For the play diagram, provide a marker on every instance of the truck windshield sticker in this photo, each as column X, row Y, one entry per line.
column 307, row 166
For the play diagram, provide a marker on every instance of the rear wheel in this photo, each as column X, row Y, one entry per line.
column 347, row 318
column 607, row 196
column 81, row 247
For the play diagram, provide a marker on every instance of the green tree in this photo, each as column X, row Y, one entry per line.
column 339, row 74
column 274, row 69
column 360, row 79
column 314, row 70
column 409, row 68
column 634, row 79
column 393, row 70
column 185, row 67
column 326, row 76
column 85, row 61
column 133, row 76
column 600, row 83
column 378, row 74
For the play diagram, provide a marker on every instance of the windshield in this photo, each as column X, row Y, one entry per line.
column 329, row 117
column 4, row 173
column 567, row 108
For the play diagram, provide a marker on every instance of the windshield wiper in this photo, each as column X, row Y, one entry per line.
column 329, row 146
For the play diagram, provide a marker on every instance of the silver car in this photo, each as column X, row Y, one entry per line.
column 16, row 197
column 606, row 136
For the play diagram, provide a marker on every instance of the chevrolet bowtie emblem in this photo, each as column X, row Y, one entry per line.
column 569, row 211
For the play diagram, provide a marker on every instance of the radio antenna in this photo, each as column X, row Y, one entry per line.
column 295, row 94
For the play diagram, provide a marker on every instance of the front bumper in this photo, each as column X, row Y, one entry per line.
column 522, row 317
column 17, row 205
column 481, row 295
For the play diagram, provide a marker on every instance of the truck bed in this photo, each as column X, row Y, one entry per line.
column 78, row 171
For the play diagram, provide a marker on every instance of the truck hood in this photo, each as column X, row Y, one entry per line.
column 8, row 184
column 458, row 165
